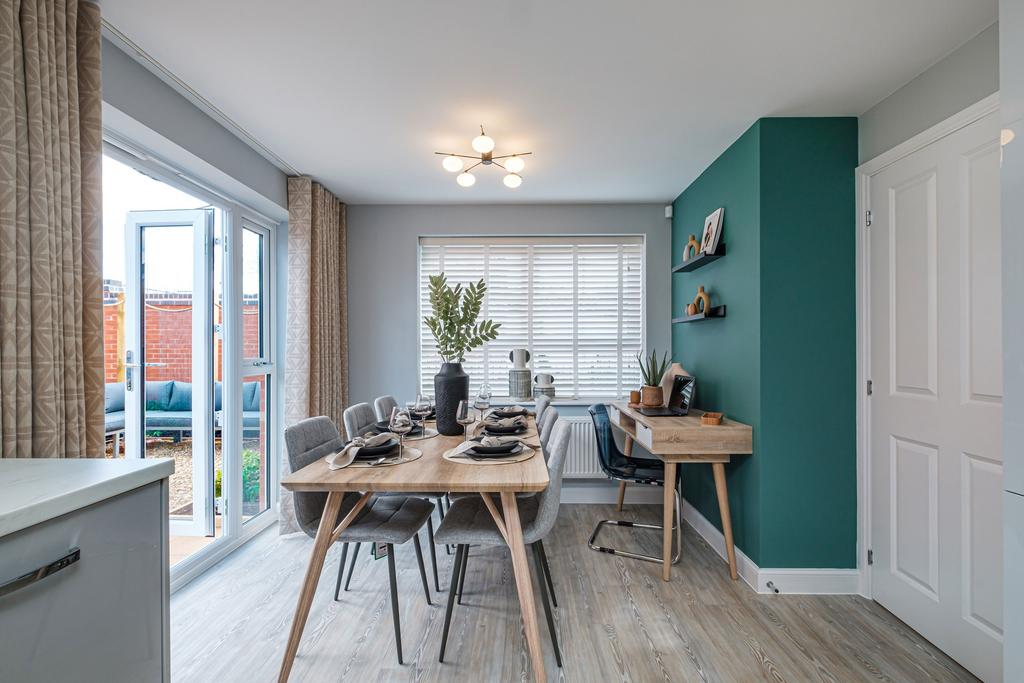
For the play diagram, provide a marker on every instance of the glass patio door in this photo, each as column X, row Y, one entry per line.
column 170, row 394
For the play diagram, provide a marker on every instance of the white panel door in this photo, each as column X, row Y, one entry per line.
column 935, row 413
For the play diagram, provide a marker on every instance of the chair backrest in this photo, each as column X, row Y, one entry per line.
column 308, row 441
column 550, row 498
column 383, row 406
column 541, row 404
column 358, row 419
column 608, row 452
column 547, row 423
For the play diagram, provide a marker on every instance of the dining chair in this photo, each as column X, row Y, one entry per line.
column 383, row 405
column 545, row 426
column 648, row 471
column 359, row 418
column 540, row 405
column 385, row 519
column 469, row 522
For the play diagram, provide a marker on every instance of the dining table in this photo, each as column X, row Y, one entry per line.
column 430, row 473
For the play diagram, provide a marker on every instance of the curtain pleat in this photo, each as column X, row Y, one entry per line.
column 51, row 333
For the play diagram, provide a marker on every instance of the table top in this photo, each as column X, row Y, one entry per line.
column 684, row 435
column 430, row 473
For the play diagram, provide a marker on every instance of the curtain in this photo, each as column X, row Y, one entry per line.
column 316, row 338
column 51, row 330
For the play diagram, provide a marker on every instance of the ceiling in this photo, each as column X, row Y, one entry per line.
column 619, row 101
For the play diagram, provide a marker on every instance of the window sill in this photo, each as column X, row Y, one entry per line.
column 496, row 400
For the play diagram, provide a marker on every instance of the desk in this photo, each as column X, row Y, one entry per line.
column 684, row 439
column 430, row 473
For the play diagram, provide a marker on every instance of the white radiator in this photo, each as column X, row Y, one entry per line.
column 582, row 462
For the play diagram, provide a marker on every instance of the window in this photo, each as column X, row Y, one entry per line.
column 576, row 303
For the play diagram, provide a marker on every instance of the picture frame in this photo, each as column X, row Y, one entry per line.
column 712, row 232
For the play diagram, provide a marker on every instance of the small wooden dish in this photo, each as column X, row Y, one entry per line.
column 711, row 419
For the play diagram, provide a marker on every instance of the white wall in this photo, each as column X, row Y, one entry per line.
column 382, row 274
column 965, row 76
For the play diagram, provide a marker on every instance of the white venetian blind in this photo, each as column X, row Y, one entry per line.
column 576, row 303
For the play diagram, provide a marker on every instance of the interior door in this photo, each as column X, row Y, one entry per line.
column 169, row 389
column 934, row 355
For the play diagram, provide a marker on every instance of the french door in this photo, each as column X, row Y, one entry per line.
column 170, row 395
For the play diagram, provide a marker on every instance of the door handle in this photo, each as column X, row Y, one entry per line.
column 145, row 365
column 36, row 575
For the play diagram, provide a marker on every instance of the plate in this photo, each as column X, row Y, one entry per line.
column 502, row 414
column 489, row 453
column 385, row 426
column 371, row 451
column 504, row 449
column 495, row 430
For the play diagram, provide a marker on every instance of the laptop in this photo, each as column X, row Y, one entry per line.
column 679, row 400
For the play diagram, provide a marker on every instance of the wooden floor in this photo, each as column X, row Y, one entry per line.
column 616, row 620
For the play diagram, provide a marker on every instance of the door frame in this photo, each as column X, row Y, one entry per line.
column 863, row 175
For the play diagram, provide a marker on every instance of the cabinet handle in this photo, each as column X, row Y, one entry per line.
column 38, row 574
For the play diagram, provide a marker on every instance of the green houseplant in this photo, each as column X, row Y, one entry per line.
column 453, row 323
column 651, row 369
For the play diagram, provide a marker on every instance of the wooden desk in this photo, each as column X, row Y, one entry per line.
column 685, row 440
column 430, row 473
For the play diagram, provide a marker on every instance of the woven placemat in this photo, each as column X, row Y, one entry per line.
column 464, row 459
column 408, row 455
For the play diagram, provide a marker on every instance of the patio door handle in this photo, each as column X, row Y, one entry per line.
column 145, row 365
column 129, row 366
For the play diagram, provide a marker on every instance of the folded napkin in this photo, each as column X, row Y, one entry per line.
column 346, row 455
column 489, row 441
column 506, row 421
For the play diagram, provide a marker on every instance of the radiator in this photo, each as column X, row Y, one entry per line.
column 582, row 462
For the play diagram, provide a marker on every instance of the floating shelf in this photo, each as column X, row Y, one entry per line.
column 713, row 312
column 699, row 260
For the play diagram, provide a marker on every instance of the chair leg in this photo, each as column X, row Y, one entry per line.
column 440, row 517
column 341, row 569
column 547, row 572
column 462, row 572
column 433, row 551
column 451, row 599
column 419, row 561
column 392, row 578
column 677, row 528
column 352, row 565
column 538, row 559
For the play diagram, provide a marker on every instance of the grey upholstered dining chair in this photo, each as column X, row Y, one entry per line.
column 389, row 519
column 540, row 405
column 545, row 426
column 383, row 406
column 359, row 418
column 469, row 522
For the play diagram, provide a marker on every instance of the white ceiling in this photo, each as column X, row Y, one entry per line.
column 618, row 100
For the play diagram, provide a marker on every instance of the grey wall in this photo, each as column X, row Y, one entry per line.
column 382, row 274
column 965, row 76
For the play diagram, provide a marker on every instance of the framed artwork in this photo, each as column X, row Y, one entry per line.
column 712, row 232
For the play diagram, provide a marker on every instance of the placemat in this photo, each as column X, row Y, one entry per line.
column 427, row 433
column 463, row 459
column 408, row 455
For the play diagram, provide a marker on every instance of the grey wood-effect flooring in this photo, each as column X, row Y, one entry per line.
column 616, row 620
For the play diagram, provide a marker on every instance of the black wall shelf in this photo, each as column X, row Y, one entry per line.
column 713, row 312
column 699, row 260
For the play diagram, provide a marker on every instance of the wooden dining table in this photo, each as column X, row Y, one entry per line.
column 431, row 473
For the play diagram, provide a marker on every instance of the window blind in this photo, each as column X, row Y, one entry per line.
column 576, row 303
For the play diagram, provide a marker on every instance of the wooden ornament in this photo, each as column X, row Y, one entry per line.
column 701, row 302
column 691, row 309
column 692, row 244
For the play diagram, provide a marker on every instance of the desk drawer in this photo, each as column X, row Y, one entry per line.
column 614, row 415
column 644, row 436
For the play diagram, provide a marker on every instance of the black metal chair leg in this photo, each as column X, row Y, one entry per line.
column 394, row 601
column 419, row 561
column 451, row 600
column 539, row 561
column 352, row 565
column 547, row 572
column 341, row 569
column 462, row 572
column 433, row 551
column 440, row 516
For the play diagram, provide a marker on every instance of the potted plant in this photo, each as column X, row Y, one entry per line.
column 651, row 369
column 453, row 322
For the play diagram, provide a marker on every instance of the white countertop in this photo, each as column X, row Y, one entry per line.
column 33, row 490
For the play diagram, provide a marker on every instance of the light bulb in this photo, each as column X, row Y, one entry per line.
column 452, row 164
column 512, row 180
column 483, row 144
column 466, row 179
column 514, row 164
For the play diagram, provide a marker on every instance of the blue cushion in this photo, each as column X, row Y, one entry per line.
column 113, row 421
column 216, row 396
column 181, row 397
column 158, row 395
column 113, row 397
column 169, row 419
column 251, row 396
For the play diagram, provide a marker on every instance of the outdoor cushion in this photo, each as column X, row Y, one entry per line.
column 158, row 395
column 251, row 396
column 181, row 396
column 168, row 419
column 113, row 395
column 113, row 421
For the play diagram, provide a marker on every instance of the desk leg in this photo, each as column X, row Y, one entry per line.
column 668, row 513
column 723, row 509
column 628, row 446
column 524, row 583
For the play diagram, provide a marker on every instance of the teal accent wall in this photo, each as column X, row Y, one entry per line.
column 783, row 358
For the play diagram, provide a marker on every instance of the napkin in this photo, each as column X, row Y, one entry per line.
column 346, row 455
column 506, row 421
column 485, row 441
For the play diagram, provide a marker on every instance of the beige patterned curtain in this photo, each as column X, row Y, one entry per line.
column 51, row 330
column 316, row 353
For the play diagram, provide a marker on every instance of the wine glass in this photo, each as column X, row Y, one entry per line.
column 483, row 398
column 464, row 415
column 421, row 408
column 400, row 424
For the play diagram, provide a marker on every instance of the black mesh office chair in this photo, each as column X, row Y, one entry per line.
column 636, row 471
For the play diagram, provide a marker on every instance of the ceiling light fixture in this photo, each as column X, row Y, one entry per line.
column 483, row 144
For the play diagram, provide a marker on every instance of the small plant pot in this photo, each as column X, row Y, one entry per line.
column 651, row 397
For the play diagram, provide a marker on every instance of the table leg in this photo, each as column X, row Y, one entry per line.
column 668, row 514
column 524, row 583
column 723, row 509
column 627, row 445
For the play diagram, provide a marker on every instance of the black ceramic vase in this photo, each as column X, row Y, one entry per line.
column 451, row 385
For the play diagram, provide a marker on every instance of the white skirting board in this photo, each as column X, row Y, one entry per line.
column 785, row 581
column 606, row 492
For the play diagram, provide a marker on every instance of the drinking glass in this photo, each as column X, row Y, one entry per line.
column 464, row 415
column 483, row 398
column 421, row 408
column 401, row 424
